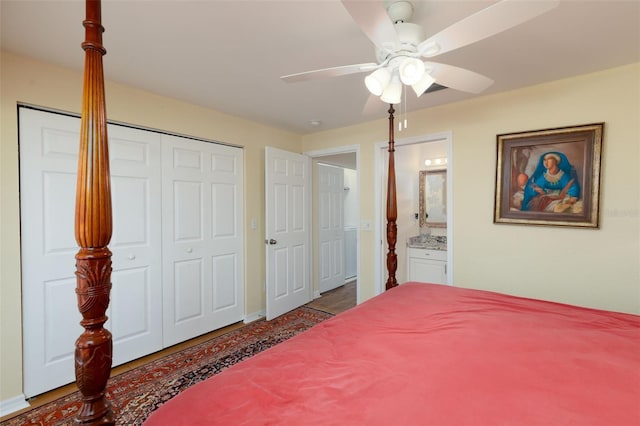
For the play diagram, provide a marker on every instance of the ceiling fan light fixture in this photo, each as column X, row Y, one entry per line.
column 377, row 81
column 411, row 71
column 421, row 86
column 393, row 93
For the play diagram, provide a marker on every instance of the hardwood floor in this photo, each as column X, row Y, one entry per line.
column 334, row 302
column 337, row 300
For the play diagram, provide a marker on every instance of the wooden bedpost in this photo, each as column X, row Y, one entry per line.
column 392, row 209
column 93, row 232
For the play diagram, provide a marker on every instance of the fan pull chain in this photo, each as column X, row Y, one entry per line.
column 405, row 107
column 400, row 115
column 405, row 111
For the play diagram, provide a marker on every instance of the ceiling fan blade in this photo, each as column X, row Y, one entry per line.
column 329, row 72
column 458, row 78
column 374, row 21
column 490, row 21
column 373, row 106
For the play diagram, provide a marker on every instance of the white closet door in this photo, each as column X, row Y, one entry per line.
column 202, row 237
column 48, row 161
column 135, row 311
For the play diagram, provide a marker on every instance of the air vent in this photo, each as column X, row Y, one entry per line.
column 435, row 87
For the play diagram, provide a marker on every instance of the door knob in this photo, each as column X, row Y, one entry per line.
column 271, row 241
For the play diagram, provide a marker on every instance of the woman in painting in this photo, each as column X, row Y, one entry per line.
column 553, row 187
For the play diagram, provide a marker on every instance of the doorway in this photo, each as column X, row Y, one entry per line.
column 346, row 160
column 410, row 156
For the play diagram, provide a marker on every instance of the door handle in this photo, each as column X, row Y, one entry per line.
column 270, row 241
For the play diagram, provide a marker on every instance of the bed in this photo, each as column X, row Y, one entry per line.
column 417, row 354
column 430, row 354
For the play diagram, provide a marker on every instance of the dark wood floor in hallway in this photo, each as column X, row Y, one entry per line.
column 337, row 300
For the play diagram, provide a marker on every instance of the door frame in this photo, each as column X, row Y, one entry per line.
column 381, row 169
column 317, row 155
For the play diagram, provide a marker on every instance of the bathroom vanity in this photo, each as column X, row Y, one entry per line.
column 427, row 259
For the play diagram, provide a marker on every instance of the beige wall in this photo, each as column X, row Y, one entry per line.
column 598, row 268
column 40, row 84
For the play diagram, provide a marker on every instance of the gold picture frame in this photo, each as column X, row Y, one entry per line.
column 549, row 177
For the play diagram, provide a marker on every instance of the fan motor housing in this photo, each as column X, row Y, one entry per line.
column 410, row 36
column 399, row 11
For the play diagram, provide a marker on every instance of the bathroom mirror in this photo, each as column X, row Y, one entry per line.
column 433, row 198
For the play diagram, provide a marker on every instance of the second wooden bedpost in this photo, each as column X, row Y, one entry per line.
column 392, row 209
column 93, row 228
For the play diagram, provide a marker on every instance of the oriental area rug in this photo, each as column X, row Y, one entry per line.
column 136, row 393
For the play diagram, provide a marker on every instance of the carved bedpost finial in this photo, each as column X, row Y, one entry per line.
column 392, row 209
column 93, row 227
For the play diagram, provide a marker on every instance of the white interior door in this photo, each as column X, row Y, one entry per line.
column 288, row 232
column 202, row 237
column 331, row 227
column 48, row 165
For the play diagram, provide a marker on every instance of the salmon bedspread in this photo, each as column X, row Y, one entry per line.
column 428, row 354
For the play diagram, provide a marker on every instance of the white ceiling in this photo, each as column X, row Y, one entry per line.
column 229, row 55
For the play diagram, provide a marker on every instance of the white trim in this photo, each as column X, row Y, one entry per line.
column 255, row 316
column 330, row 151
column 125, row 124
column 380, row 230
column 345, row 150
column 308, row 241
column 12, row 405
column 450, row 224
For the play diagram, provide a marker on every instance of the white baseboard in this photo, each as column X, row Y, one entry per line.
column 253, row 317
column 316, row 294
column 12, row 405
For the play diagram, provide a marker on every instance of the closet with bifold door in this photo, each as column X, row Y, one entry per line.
column 177, row 243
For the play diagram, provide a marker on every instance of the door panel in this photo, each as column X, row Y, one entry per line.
column 60, row 328
column 280, row 273
column 187, row 212
column 202, row 243
column 188, row 290
column 331, row 227
column 135, row 311
column 130, row 304
column 287, row 189
column 299, row 269
column 224, row 271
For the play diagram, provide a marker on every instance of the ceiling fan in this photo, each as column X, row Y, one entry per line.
column 401, row 45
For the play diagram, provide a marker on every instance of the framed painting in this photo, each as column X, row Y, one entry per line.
column 549, row 177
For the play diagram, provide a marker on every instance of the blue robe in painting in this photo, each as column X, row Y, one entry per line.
column 533, row 201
